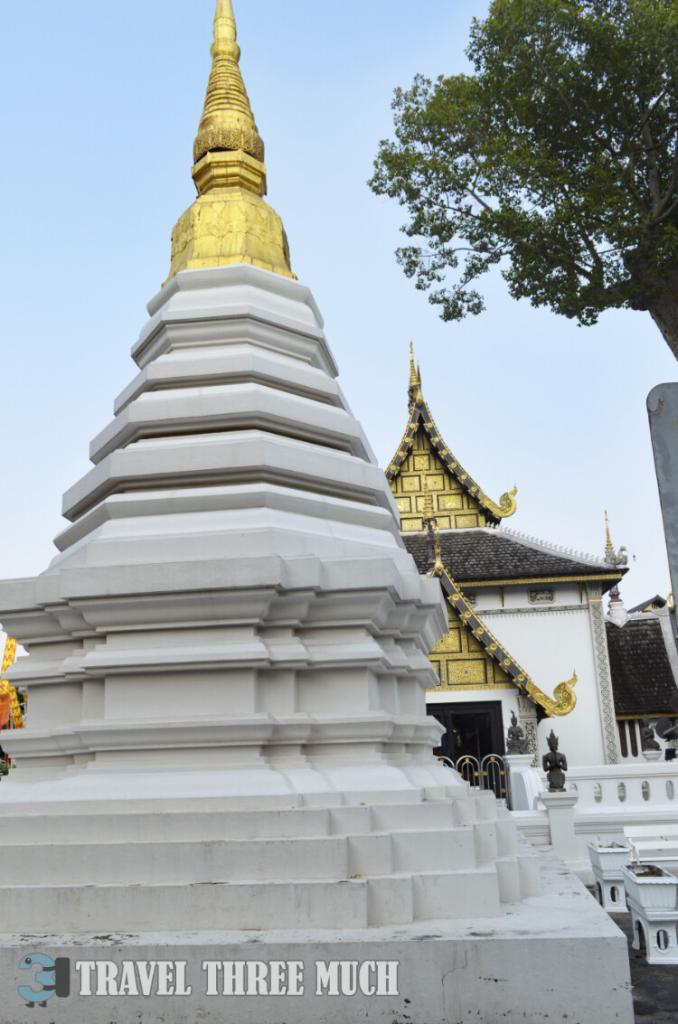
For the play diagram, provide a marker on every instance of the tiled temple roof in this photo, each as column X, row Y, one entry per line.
column 643, row 679
column 486, row 555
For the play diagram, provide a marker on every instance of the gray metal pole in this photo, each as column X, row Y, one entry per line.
column 662, row 407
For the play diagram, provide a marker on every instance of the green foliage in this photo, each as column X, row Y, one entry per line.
column 557, row 159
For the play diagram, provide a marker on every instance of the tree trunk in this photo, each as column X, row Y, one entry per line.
column 664, row 311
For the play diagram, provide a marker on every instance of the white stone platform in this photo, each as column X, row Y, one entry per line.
column 348, row 866
column 542, row 960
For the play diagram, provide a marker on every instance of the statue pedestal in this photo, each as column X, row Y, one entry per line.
column 519, row 760
column 560, row 808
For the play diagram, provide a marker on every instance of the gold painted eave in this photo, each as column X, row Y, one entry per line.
column 516, row 582
column 564, row 698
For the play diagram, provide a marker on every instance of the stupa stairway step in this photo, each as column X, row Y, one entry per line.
column 216, row 906
column 330, row 857
column 167, row 825
column 225, row 906
column 178, row 862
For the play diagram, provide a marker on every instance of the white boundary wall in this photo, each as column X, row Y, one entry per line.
column 611, row 797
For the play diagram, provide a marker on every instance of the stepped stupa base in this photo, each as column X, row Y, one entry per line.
column 553, row 957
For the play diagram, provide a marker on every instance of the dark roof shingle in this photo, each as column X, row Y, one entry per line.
column 486, row 555
column 642, row 677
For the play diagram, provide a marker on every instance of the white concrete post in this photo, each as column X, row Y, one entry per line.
column 526, row 782
column 560, row 808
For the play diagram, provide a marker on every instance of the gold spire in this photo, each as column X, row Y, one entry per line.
column 610, row 553
column 229, row 223
column 414, row 389
column 227, row 122
column 413, row 368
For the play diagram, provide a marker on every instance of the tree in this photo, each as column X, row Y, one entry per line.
column 557, row 160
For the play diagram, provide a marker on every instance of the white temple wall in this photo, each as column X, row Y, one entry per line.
column 551, row 642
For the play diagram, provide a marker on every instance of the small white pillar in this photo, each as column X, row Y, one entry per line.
column 560, row 808
column 526, row 781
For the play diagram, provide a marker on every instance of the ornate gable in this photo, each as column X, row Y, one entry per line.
column 470, row 657
column 424, row 466
column 462, row 662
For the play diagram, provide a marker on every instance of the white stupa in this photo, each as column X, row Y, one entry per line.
column 228, row 740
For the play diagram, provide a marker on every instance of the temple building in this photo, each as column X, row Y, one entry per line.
column 527, row 630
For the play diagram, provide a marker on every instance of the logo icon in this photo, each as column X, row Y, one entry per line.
column 50, row 978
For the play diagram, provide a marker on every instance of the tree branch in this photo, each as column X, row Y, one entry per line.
column 653, row 172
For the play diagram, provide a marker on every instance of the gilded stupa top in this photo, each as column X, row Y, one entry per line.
column 227, row 121
column 424, row 471
column 229, row 222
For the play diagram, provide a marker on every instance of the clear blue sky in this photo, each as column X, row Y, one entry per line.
column 101, row 106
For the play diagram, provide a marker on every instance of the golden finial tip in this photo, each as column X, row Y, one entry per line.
column 413, row 368
column 609, row 545
column 227, row 122
column 229, row 223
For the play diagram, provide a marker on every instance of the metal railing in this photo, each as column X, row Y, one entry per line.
column 488, row 773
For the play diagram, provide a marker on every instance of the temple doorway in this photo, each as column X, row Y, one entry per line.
column 474, row 729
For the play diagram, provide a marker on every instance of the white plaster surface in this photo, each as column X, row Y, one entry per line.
column 449, row 972
column 552, row 642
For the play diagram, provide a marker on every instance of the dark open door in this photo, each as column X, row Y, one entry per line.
column 475, row 728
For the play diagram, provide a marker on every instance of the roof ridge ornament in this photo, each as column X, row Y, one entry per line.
column 549, row 547
column 617, row 612
column 612, row 556
column 414, row 392
column 436, row 566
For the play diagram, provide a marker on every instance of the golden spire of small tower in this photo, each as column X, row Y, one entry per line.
column 229, row 222
column 414, row 380
column 617, row 558
column 414, row 388
column 610, row 553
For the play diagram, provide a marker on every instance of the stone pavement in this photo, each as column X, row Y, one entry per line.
column 655, row 989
